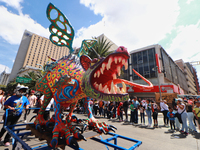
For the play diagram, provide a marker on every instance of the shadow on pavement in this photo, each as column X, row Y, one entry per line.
column 178, row 136
column 196, row 136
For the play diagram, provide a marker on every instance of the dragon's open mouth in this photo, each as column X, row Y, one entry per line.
column 103, row 77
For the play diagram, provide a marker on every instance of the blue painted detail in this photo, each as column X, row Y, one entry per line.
column 87, row 107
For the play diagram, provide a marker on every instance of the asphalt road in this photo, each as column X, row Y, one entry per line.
column 152, row 138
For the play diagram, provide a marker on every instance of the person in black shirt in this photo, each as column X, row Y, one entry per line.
column 190, row 113
column 125, row 108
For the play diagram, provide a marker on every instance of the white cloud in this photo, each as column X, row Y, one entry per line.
column 14, row 3
column 136, row 24
column 186, row 44
column 3, row 67
column 133, row 24
column 13, row 26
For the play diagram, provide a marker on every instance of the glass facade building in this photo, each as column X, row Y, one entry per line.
column 144, row 61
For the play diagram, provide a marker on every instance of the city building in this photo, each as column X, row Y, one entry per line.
column 34, row 51
column 157, row 66
column 189, row 74
column 4, row 78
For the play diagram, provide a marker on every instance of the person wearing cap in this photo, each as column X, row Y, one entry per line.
column 182, row 110
column 15, row 104
column 32, row 100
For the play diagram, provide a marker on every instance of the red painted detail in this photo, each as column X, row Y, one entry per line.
column 163, row 88
column 158, row 63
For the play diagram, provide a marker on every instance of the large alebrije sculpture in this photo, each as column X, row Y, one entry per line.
column 72, row 78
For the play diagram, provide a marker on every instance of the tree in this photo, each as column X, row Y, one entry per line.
column 101, row 47
column 34, row 76
column 11, row 86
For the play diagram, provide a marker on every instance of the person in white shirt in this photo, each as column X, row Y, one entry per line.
column 32, row 100
column 47, row 110
column 164, row 109
column 182, row 110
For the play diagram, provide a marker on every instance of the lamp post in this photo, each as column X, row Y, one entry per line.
column 158, row 81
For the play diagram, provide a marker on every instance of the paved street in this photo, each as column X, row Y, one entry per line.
column 152, row 139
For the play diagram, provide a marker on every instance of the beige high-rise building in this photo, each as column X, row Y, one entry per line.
column 34, row 51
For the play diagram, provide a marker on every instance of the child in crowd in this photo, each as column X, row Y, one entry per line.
column 120, row 111
column 155, row 108
column 142, row 108
column 171, row 116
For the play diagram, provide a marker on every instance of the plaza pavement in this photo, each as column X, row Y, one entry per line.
column 152, row 138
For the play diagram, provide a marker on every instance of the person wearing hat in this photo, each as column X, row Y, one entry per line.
column 182, row 110
column 32, row 100
column 15, row 104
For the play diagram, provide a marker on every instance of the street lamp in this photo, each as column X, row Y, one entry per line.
column 153, row 69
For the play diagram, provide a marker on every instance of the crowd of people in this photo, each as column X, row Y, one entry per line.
column 183, row 114
column 18, row 105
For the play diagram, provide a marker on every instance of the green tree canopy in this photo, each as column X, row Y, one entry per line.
column 101, row 47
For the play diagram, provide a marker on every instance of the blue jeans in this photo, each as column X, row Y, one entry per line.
column 149, row 116
column 190, row 119
column 184, row 119
column 142, row 117
column 135, row 116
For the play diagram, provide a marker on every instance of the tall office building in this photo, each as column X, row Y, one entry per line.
column 33, row 50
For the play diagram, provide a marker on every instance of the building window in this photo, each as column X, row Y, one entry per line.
column 144, row 62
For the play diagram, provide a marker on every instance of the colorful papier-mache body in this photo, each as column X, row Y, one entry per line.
column 72, row 78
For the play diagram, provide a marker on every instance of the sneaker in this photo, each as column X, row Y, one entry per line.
column 186, row 133
column 7, row 144
column 181, row 131
column 195, row 132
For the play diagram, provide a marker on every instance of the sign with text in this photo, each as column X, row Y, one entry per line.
column 23, row 80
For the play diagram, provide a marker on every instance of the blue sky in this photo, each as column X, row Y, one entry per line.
column 174, row 24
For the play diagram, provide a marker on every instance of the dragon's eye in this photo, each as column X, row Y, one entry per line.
column 94, row 61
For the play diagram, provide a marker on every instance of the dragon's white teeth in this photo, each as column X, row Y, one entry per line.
column 123, row 61
column 96, row 85
column 104, row 88
column 126, row 65
column 108, row 66
column 98, row 74
column 109, row 63
column 112, row 90
column 120, row 59
column 122, row 91
column 103, row 66
column 115, row 60
column 95, row 75
column 101, row 69
column 100, row 87
column 110, row 60
column 107, row 91
column 118, row 70
column 124, row 87
column 118, row 90
column 114, row 76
